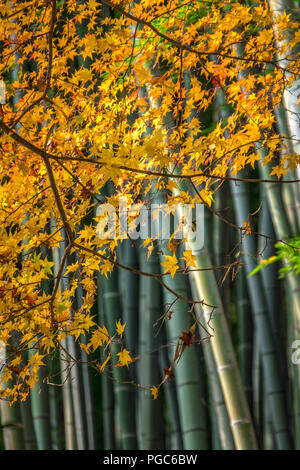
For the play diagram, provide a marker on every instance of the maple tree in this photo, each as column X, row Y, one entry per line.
column 116, row 94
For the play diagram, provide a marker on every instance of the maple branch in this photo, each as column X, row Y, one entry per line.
column 180, row 176
column 58, row 199
column 42, row 153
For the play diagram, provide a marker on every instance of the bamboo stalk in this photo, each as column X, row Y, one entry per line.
column 220, row 414
column 107, row 390
column 12, row 427
column 55, row 404
column 230, row 379
column 257, row 380
column 142, row 349
column 130, row 305
column 174, row 433
column 268, row 436
column 282, row 229
column 245, row 335
column 270, row 273
column 151, row 410
column 88, row 400
column 27, row 421
column 123, row 391
column 290, row 192
column 70, row 439
column 78, row 398
column 193, row 418
column 40, row 410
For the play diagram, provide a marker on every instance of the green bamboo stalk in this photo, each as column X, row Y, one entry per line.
column 220, row 245
column 261, row 320
column 290, row 192
column 123, row 391
column 107, row 389
column 151, row 425
column 245, row 334
column 52, row 399
column 130, row 306
column 40, row 410
column 193, row 418
column 12, row 428
column 76, row 370
column 88, row 400
column 69, row 425
column 39, row 394
column 268, row 436
column 215, row 436
column 272, row 290
column 55, row 404
column 229, row 375
column 293, row 383
column 257, row 390
column 189, row 384
column 282, row 229
column 270, row 273
column 222, row 435
column 173, row 434
column 77, row 395
column 224, row 439
column 70, row 439
column 27, row 421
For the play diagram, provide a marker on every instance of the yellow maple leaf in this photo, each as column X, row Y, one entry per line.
column 247, row 228
column 154, row 391
column 37, row 360
column 99, row 337
column 190, row 259
column 124, row 358
column 120, row 328
column 102, row 367
column 170, row 264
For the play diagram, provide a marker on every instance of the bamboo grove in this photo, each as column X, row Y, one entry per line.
column 130, row 342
